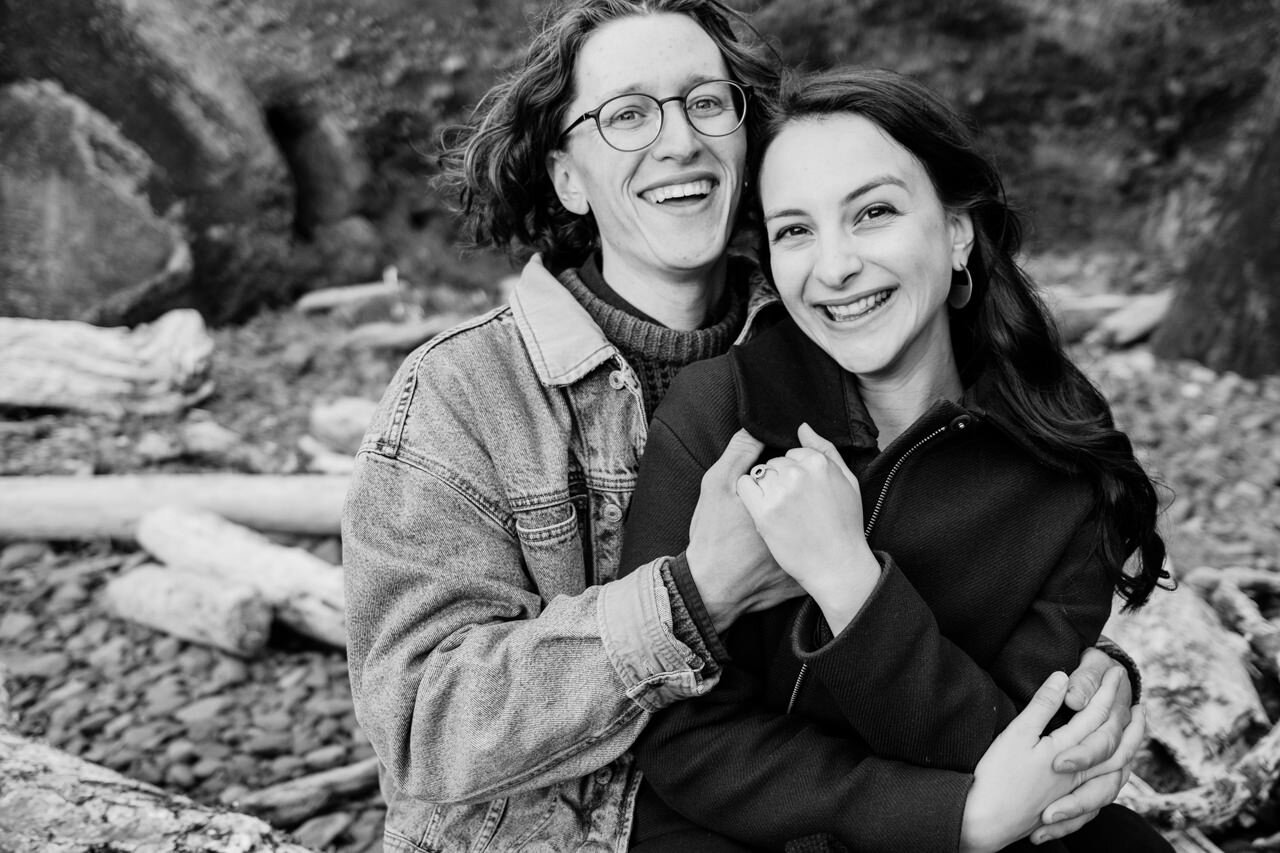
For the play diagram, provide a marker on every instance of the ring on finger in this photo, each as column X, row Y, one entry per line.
column 758, row 472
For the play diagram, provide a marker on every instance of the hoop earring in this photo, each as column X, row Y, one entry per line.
column 961, row 292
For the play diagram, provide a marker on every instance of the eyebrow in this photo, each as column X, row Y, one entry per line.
column 877, row 181
column 636, row 89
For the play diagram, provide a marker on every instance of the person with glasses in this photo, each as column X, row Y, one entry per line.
column 633, row 121
column 500, row 664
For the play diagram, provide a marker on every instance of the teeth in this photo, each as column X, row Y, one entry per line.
column 692, row 188
column 854, row 310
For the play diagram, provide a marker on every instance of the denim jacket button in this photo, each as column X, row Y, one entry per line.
column 616, row 380
column 604, row 776
column 612, row 513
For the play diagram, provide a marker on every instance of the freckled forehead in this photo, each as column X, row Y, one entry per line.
column 660, row 54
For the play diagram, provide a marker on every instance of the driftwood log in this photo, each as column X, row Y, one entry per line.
column 340, row 423
column 290, row 803
column 233, row 617
column 161, row 367
column 1259, row 581
column 1132, row 322
column 1221, row 801
column 352, row 296
column 306, row 591
column 1201, row 722
column 322, row 460
column 46, row 507
column 400, row 337
column 53, row 802
column 1241, row 614
column 1188, row 840
column 1078, row 313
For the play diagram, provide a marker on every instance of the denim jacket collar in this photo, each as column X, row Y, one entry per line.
column 563, row 341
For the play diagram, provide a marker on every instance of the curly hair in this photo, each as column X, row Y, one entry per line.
column 1005, row 331
column 495, row 166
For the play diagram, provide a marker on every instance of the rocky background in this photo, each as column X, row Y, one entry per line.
column 227, row 154
column 234, row 155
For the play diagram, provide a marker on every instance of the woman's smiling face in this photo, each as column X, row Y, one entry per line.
column 860, row 246
column 667, row 210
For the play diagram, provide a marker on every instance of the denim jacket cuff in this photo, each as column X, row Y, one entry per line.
column 636, row 626
column 693, row 623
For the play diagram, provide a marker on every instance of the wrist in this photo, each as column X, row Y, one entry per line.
column 843, row 594
column 722, row 604
column 975, row 827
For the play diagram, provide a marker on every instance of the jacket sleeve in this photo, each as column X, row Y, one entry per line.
column 921, row 698
column 472, row 679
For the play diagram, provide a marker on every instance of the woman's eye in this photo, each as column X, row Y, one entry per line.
column 878, row 211
column 788, row 232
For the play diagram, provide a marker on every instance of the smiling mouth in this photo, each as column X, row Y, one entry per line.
column 858, row 309
column 689, row 191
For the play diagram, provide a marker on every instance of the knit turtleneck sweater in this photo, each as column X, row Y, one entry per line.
column 656, row 352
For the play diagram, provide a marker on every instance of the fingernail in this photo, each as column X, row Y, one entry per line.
column 1054, row 818
column 1058, row 680
column 1068, row 767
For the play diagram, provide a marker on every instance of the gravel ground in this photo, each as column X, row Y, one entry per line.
column 206, row 724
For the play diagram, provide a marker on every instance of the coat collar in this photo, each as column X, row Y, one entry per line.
column 784, row 379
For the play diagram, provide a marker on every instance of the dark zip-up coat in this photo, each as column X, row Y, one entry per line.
column 989, row 582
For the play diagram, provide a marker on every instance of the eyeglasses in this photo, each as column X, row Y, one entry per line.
column 634, row 121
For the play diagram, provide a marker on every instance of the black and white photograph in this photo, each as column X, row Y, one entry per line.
column 650, row 426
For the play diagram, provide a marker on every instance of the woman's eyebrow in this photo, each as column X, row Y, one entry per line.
column 878, row 181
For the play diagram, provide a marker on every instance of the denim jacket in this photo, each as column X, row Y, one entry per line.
column 499, row 665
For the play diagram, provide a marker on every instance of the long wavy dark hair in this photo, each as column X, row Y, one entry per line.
column 495, row 166
column 1004, row 333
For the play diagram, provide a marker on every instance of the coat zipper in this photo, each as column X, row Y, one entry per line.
column 866, row 532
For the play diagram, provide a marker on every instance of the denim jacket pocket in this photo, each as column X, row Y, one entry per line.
column 551, row 541
column 548, row 525
column 504, row 824
column 440, row 828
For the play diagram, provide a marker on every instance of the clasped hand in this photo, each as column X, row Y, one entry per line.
column 807, row 508
column 729, row 562
column 1020, row 786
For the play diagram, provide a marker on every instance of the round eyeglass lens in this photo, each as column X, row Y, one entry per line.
column 633, row 121
column 716, row 108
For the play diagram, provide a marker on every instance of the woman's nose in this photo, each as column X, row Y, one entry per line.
column 837, row 261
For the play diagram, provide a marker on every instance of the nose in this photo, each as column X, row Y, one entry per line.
column 837, row 259
column 677, row 139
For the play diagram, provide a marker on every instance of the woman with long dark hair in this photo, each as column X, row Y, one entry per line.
column 946, row 486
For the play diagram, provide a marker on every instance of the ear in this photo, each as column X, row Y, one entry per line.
column 960, row 225
column 564, row 177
